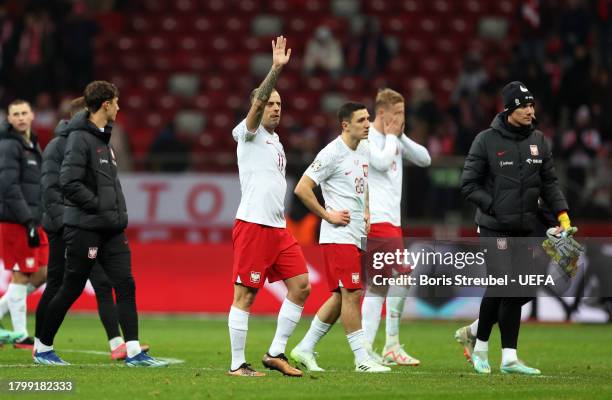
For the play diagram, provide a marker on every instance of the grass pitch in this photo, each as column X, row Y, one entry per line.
column 576, row 362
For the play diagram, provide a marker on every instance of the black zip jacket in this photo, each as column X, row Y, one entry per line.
column 52, row 198
column 92, row 192
column 20, row 196
column 505, row 172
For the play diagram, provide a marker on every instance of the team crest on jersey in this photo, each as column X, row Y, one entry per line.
column 316, row 165
column 92, row 253
column 502, row 244
column 255, row 277
column 365, row 170
column 30, row 262
column 355, row 277
column 534, row 149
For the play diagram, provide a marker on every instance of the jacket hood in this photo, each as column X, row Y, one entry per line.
column 8, row 132
column 62, row 128
column 500, row 124
column 81, row 122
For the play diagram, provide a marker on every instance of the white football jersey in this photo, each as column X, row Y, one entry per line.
column 387, row 154
column 385, row 178
column 261, row 166
column 343, row 176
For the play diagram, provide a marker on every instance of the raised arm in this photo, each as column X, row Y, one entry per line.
column 414, row 152
column 305, row 191
column 280, row 57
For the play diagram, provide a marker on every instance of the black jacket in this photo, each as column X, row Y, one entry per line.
column 52, row 198
column 20, row 198
column 93, row 196
column 505, row 172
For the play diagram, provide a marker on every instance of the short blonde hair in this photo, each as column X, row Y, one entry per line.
column 387, row 97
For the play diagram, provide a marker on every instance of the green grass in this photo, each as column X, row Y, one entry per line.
column 576, row 361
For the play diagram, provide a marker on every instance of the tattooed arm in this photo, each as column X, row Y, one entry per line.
column 258, row 104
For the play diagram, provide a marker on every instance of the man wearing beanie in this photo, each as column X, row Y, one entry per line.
column 508, row 168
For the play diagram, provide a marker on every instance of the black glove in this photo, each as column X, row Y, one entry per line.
column 32, row 234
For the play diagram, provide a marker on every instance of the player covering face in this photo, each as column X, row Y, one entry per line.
column 341, row 169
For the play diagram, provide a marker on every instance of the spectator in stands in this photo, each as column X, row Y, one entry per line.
column 471, row 77
column 601, row 95
column 168, row 153
column 580, row 147
column 78, row 33
column 576, row 78
column 35, row 52
column 368, row 53
column 323, row 52
column 575, row 26
column 46, row 118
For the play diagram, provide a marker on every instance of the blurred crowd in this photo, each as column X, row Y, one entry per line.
column 562, row 51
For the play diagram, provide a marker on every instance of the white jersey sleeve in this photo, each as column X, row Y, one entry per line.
column 242, row 134
column 323, row 166
column 414, row 152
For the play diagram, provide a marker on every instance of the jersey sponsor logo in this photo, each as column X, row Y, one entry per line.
column 92, row 253
column 365, row 170
column 533, row 161
column 505, row 163
column 501, row 153
column 316, row 165
column 30, row 262
column 502, row 244
column 355, row 277
column 534, row 149
column 255, row 277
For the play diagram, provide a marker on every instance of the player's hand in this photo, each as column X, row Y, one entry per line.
column 393, row 126
column 280, row 57
column 32, row 234
column 340, row 218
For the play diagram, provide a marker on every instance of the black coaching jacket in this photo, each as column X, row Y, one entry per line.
column 52, row 198
column 92, row 192
column 505, row 172
column 20, row 197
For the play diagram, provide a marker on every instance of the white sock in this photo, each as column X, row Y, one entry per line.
column 43, row 347
column 17, row 294
column 36, row 344
column 31, row 288
column 509, row 356
column 115, row 342
column 474, row 328
column 356, row 341
column 371, row 309
column 288, row 318
column 481, row 346
column 238, row 323
column 4, row 304
column 395, row 307
column 317, row 330
column 133, row 348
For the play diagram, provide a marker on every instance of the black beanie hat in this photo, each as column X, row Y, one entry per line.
column 516, row 94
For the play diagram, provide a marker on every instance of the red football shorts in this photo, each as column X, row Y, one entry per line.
column 385, row 238
column 263, row 252
column 16, row 254
column 342, row 266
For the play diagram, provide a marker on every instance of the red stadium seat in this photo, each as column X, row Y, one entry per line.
column 412, row 6
column 185, row 6
column 203, row 24
column 216, row 6
column 157, row 43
